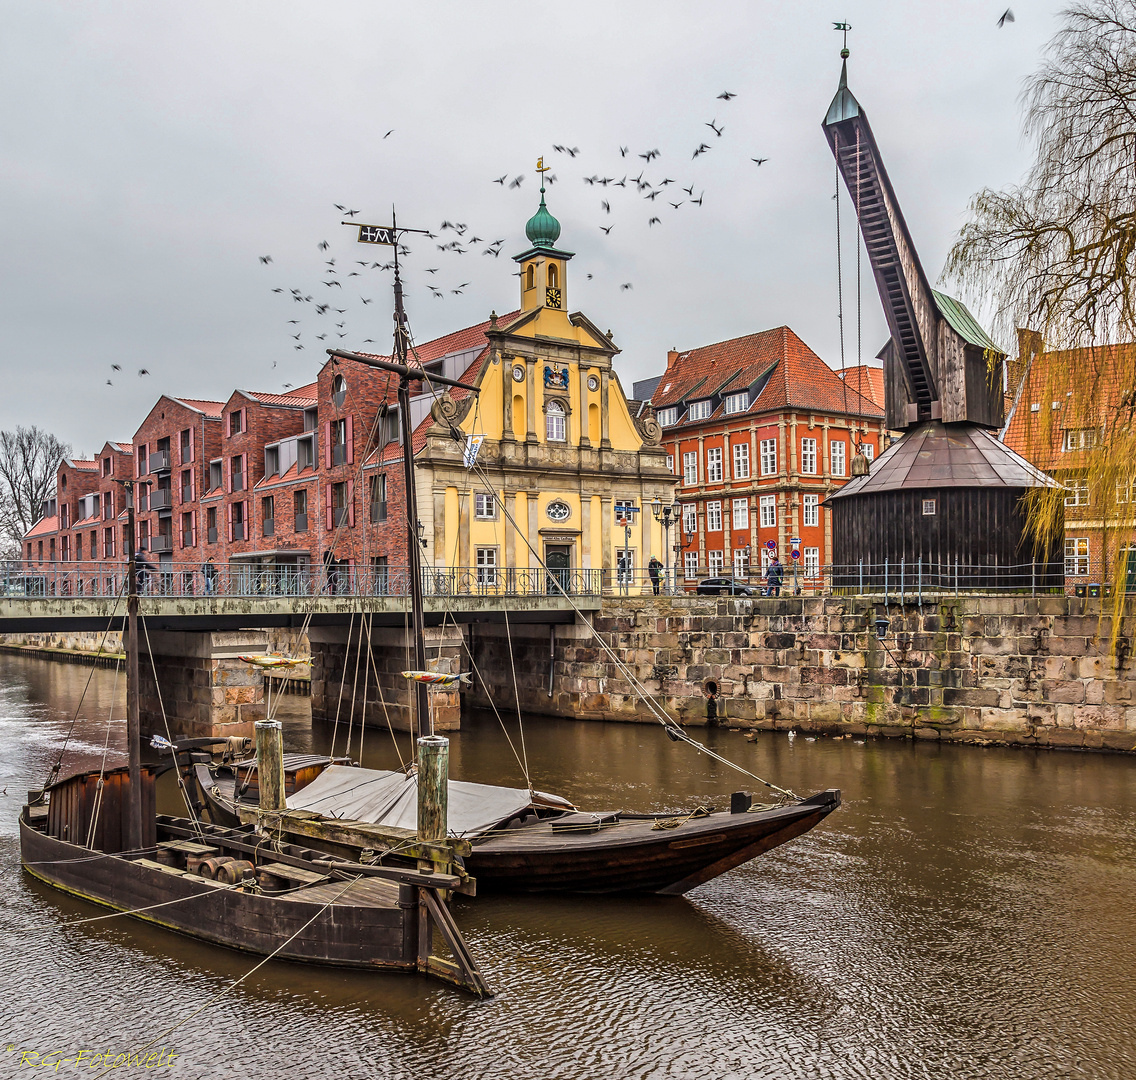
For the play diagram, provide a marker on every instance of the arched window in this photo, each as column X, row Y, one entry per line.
column 338, row 391
column 555, row 422
column 553, row 276
column 530, row 279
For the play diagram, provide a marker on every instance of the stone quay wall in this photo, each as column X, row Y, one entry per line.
column 1034, row 671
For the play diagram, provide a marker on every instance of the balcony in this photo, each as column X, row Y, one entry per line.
column 187, row 538
column 161, row 498
column 378, row 512
column 269, row 528
column 160, row 461
column 301, row 523
column 162, row 542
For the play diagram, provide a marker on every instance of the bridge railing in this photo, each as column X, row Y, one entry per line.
column 182, row 579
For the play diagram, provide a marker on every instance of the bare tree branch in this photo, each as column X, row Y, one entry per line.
column 29, row 458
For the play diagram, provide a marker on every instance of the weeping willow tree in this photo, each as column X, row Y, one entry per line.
column 1052, row 261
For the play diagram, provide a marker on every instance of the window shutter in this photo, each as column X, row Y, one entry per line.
column 191, row 455
column 193, row 485
column 327, row 444
column 227, row 466
column 193, row 530
column 244, row 471
column 350, row 442
column 229, row 520
column 327, row 503
column 244, row 420
column 181, row 534
column 350, row 494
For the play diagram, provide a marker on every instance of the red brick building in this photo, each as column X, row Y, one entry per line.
column 758, row 430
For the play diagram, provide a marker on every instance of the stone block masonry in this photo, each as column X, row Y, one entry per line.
column 1033, row 671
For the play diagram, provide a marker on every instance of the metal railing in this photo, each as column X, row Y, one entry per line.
column 186, row 579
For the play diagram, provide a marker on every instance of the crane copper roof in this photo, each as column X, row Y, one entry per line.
column 938, row 455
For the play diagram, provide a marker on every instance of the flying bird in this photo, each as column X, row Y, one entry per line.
column 277, row 290
column 365, row 300
column 606, row 206
column 143, row 371
column 109, row 383
column 650, row 154
column 625, row 286
column 702, row 148
column 1007, row 16
column 351, row 213
column 432, row 270
column 323, row 245
column 265, row 259
column 294, row 322
column 653, row 221
column 605, row 229
column 116, row 367
column 623, row 151
column 759, row 160
column 389, row 133
column 501, row 179
column 725, row 95
column 676, row 205
column 717, row 130
column 516, row 182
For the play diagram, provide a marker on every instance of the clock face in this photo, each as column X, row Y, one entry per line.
column 552, row 297
column 518, row 374
column 593, row 383
column 559, row 511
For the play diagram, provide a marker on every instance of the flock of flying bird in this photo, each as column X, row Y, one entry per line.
column 456, row 238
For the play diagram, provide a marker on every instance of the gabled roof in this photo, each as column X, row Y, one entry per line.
column 82, row 464
column 43, row 526
column 794, row 377
column 303, row 397
column 212, row 409
column 865, row 379
column 963, row 323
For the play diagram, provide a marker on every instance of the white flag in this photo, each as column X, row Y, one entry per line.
column 472, row 446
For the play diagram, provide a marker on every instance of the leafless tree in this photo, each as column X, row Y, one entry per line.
column 29, row 458
column 1056, row 257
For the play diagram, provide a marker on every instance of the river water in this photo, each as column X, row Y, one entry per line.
column 967, row 913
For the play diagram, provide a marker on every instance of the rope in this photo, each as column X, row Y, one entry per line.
column 236, row 982
column 102, row 764
column 840, row 282
column 342, row 680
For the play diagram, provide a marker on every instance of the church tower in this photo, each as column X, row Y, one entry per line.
column 543, row 266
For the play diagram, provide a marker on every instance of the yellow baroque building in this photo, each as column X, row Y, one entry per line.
column 565, row 476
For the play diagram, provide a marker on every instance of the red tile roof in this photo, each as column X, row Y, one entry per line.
column 212, row 409
column 303, row 397
column 866, row 380
column 84, row 464
column 292, row 473
column 43, row 526
column 794, row 377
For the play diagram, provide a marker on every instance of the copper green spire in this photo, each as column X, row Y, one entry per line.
column 542, row 228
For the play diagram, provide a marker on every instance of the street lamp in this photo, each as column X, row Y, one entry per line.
column 666, row 516
column 625, row 514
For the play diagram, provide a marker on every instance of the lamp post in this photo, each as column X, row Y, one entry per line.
column 667, row 516
column 625, row 514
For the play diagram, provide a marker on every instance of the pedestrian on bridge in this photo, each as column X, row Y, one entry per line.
column 209, row 573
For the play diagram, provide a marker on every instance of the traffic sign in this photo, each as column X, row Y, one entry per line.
column 795, row 541
column 771, row 544
column 795, row 553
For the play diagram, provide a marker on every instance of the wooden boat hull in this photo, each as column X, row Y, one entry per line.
column 630, row 857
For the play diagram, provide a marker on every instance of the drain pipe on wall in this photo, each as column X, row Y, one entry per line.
column 551, row 655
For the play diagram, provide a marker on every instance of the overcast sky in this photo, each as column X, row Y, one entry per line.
column 150, row 153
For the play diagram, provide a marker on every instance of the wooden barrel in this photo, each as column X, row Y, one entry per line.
column 234, row 870
column 210, row 867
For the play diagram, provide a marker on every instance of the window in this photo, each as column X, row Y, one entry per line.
column 271, row 460
column 625, row 566
column 812, row 562
column 741, row 562
column 339, row 503
column 811, row 510
column 186, row 486
column 1076, row 556
column 737, row 403
column 237, row 512
column 237, row 472
column 838, row 451
column 690, row 517
column 553, row 277
column 268, row 515
column 380, row 573
column 690, row 468
column 486, row 566
column 667, row 417
column 869, row 450
column 714, row 465
column 338, row 441
column 187, row 530
column 236, row 419
column 78, row 547
column 378, row 498
column 108, row 506
column 215, row 476
column 690, row 564
column 211, row 524
column 768, row 457
column 768, row 509
column 741, row 461
column 108, row 544
column 928, row 507
column 143, row 536
column 741, row 514
column 1077, row 489
column 484, row 506
column 555, row 422
column 714, row 517
column 1125, row 490
column 530, row 276
column 714, row 563
column 300, row 507
column 143, row 459
column 809, row 456
column 106, row 466
column 305, row 453
column 338, row 391
column 186, row 445
column 699, row 410
column 1079, row 439
column 670, row 463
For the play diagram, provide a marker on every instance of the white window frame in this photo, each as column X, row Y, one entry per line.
column 869, row 450
column 690, row 517
column 741, row 461
column 671, row 464
column 714, row 516
column 486, row 559
column 838, row 452
column 667, row 417
column 811, row 559
column 808, row 457
column 555, row 422
column 484, row 506
column 810, row 510
column 699, row 410
column 741, row 562
column 736, row 403
column 714, row 563
column 1074, row 439
column 1077, row 488
column 739, row 518
column 1076, row 556
column 690, row 565
column 690, row 468
column 713, row 465
column 625, row 566
column 767, row 505
column 768, row 457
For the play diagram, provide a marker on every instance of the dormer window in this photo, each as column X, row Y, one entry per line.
column 700, row 410
column 737, row 403
column 667, row 417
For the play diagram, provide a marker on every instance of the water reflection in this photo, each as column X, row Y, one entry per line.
column 964, row 914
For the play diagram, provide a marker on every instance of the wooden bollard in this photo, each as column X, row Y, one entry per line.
column 270, row 764
column 433, row 787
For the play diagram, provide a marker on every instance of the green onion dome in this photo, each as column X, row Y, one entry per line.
column 542, row 228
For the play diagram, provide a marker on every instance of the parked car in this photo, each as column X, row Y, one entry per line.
column 726, row 586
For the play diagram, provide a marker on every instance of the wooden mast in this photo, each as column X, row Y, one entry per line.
column 133, row 721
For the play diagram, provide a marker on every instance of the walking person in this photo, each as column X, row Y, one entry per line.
column 143, row 571
column 654, row 568
column 774, row 576
column 209, row 573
